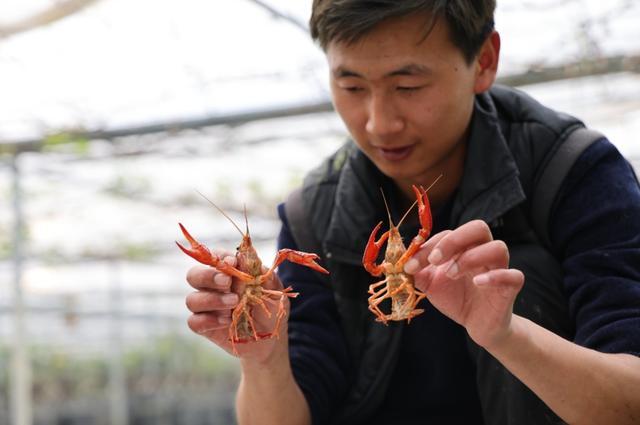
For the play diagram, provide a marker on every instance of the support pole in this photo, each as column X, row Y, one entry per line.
column 118, row 405
column 20, row 374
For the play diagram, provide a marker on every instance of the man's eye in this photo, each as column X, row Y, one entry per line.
column 408, row 88
column 353, row 89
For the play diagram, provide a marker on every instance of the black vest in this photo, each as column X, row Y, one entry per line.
column 511, row 139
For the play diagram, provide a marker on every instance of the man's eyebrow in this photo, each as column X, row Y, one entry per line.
column 341, row 72
column 411, row 69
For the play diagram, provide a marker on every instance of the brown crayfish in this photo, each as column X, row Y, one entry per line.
column 397, row 285
column 249, row 271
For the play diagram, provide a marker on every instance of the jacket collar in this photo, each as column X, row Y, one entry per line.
column 356, row 210
column 489, row 187
column 490, row 184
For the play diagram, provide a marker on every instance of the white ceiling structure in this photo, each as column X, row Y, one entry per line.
column 124, row 63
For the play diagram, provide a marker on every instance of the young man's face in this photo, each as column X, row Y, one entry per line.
column 407, row 100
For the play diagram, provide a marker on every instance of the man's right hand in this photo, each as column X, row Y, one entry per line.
column 216, row 295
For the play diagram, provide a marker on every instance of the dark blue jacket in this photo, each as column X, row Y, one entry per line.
column 595, row 229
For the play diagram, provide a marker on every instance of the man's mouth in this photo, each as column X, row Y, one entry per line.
column 395, row 154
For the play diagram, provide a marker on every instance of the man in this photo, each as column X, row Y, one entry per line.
column 514, row 331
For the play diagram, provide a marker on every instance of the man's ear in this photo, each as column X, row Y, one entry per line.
column 487, row 63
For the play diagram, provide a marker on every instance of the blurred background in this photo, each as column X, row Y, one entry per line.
column 114, row 113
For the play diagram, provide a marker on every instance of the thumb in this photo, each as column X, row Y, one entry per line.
column 272, row 281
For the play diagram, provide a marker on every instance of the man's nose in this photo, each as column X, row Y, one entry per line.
column 383, row 118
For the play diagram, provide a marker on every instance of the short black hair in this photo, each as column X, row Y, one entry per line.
column 469, row 21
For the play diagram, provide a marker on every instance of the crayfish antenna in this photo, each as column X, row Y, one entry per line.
column 386, row 206
column 225, row 214
column 407, row 213
column 416, row 201
column 434, row 182
column 246, row 220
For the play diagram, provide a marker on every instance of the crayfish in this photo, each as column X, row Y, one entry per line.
column 250, row 271
column 399, row 285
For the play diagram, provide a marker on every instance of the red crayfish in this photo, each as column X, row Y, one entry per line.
column 397, row 285
column 249, row 271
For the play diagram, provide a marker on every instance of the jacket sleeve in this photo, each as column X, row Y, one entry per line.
column 319, row 356
column 596, row 224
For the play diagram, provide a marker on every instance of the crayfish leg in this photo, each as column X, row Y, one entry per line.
column 282, row 311
column 414, row 313
column 373, row 307
column 373, row 287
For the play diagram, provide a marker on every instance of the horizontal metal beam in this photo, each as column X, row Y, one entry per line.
column 55, row 12
column 278, row 14
column 30, row 145
column 579, row 69
column 582, row 68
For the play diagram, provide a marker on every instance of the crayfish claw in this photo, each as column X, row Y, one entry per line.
column 372, row 250
column 424, row 210
column 198, row 251
column 303, row 258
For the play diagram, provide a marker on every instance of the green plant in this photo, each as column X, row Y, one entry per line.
column 78, row 144
column 128, row 186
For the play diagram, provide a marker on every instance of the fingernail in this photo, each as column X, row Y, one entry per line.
column 435, row 256
column 411, row 266
column 229, row 299
column 222, row 280
column 481, row 279
column 452, row 271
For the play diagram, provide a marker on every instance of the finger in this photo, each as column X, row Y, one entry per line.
column 201, row 277
column 226, row 256
column 419, row 259
column 509, row 280
column 203, row 323
column 488, row 256
column 423, row 278
column 207, row 301
column 468, row 235
column 273, row 282
column 222, row 281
